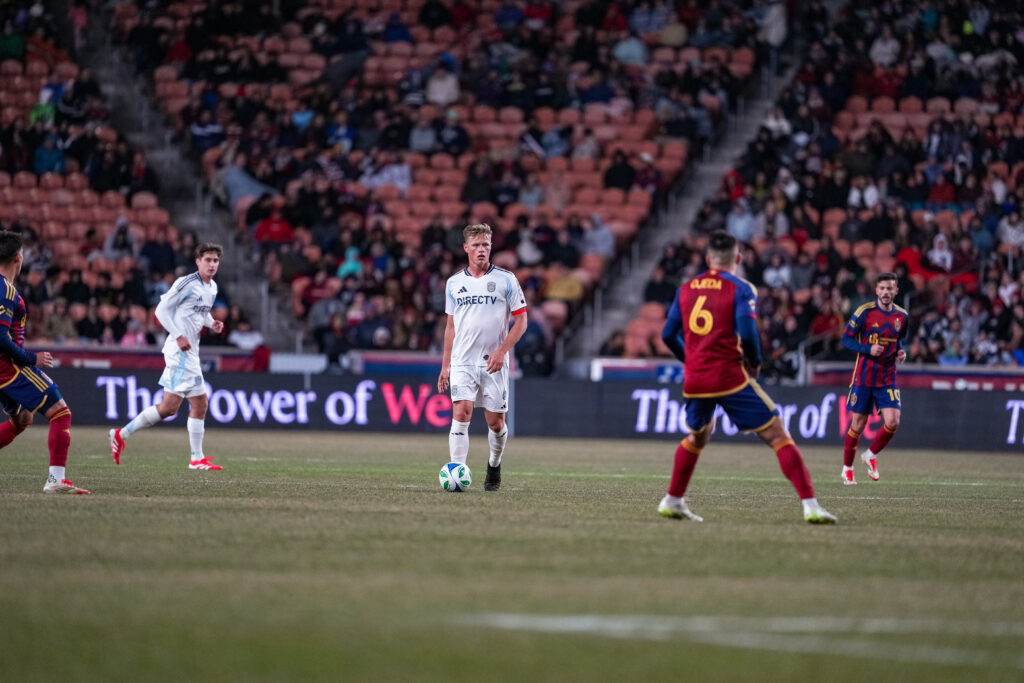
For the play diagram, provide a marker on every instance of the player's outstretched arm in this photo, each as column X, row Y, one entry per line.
column 670, row 332
column 496, row 361
column 216, row 325
column 446, row 360
column 165, row 314
column 17, row 354
column 750, row 341
column 850, row 342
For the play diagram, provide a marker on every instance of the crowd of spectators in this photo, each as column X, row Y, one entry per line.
column 74, row 189
column 313, row 151
column 899, row 146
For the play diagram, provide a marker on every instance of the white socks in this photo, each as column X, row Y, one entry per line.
column 458, row 442
column 810, row 504
column 196, row 429
column 497, row 443
column 147, row 418
column 56, row 474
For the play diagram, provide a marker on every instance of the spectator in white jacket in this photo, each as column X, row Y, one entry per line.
column 885, row 50
column 443, row 87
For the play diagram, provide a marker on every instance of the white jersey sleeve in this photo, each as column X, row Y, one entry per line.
column 185, row 308
column 482, row 309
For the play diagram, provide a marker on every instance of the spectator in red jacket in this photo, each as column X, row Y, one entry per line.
column 273, row 231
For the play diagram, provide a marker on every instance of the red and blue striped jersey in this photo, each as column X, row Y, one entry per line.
column 716, row 314
column 869, row 325
column 12, row 323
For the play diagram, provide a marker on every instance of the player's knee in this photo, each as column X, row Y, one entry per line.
column 892, row 423
column 461, row 411
column 198, row 407
column 169, row 405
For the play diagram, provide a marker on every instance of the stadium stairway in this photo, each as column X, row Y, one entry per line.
column 134, row 113
column 618, row 303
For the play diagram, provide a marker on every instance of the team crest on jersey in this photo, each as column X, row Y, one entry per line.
column 491, row 286
column 896, row 323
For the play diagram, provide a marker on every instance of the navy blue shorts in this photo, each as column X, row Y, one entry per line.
column 750, row 409
column 31, row 390
column 862, row 399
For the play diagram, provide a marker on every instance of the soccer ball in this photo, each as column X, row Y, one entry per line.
column 455, row 477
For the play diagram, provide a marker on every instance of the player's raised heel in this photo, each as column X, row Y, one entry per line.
column 203, row 464
column 492, row 482
column 64, row 486
column 116, row 445
column 848, row 479
column 677, row 511
column 872, row 465
column 819, row 515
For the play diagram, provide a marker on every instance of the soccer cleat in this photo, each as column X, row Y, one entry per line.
column 203, row 464
column 872, row 464
column 492, row 482
column 64, row 486
column 848, row 478
column 116, row 445
column 819, row 515
column 677, row 511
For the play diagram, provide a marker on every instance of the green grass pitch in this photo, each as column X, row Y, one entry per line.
column 337, row 557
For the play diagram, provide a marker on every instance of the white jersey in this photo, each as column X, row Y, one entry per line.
column 482, row 308
column 184, row 310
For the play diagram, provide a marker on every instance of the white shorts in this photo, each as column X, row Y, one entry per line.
column 183, row 375
column 474, row 383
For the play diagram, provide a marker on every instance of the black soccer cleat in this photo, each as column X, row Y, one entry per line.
column 492, row 482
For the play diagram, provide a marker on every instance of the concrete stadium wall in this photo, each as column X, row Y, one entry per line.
column 942, row 420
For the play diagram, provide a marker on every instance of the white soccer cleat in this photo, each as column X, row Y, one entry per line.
column 677, row 511
column 872, row 465
column 64, row 486
column 203, row 464
column 819, row 515
column 847, row 476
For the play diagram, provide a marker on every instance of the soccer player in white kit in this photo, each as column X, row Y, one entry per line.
column 480, row 301
column 184, row 311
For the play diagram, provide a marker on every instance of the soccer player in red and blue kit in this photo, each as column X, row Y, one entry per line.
column 876, row 332
column 24, row 388
column 712, row 330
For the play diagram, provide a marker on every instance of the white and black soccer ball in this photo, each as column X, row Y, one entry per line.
column 455, row 477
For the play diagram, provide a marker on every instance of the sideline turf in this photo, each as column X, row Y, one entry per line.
column 338, row 557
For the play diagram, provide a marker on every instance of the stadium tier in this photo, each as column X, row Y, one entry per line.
column 386, row 127
column 99, row 249
column 898, row 145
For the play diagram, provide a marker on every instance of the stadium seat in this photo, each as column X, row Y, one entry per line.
column 911, row 105
column 937, row 105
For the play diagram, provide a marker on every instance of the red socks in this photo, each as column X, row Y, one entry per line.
column 60, row 437
column 793, row 467
column 686, row 459
column 850, row 447
column 8, row 431
column 882, row 440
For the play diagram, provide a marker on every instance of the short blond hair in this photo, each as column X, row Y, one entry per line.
column 475, row 230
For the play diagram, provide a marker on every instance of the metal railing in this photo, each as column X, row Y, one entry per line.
column 803, row 358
